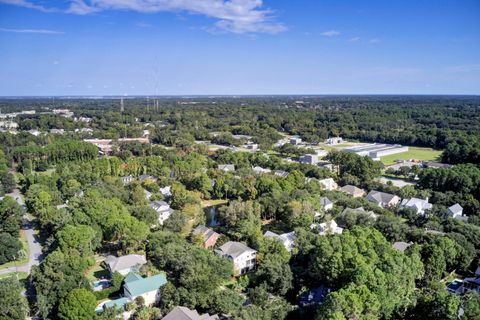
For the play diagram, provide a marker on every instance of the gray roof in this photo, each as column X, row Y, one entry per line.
column 145, row 177
column 234, row 249
column 380, row 197
column 351, row 189
column 183, row 313
column 324, row 201
column 455, row 209
column 158, row 204
column 125, row 262
column 401, row 246
column 280, row 173
column 206, row 232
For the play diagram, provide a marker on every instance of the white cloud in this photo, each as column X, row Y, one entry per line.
column 374, row 40
column 43, row 31
column 354, row 39
column 330, row 33
column 237, row 16
column 28, row 4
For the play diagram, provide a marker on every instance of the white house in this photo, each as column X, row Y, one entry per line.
column 287, row 239
column 326, row 203
column 334, row 140
column 126, row 180
column 226, row 167
column 281, row 173
column 419, row 205
column 325, row 228
column 328, row 184
column 244, row 258
column 166, row 191
column 456, row 212
column 260, row 170
column 125, row 264
column 163, row 209
column 183, row 313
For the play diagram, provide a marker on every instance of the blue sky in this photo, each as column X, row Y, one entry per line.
column 186, row 47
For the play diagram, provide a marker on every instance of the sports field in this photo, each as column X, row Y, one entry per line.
column 417, row 153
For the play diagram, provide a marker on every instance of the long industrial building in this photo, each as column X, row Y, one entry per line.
column 377, row 150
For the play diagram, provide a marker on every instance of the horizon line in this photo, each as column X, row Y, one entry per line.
column 236, row 95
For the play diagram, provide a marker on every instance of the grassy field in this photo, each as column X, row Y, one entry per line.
column 416, row 153
column 96, row 272
column 21, row 275
column 210, row 203
column 24, row 241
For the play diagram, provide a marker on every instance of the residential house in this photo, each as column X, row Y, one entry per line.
column 145, row 177
column 472, row 284
column 207, row 235
column 226, row 167
column 330, row 227
column 361, row 210
column 147, row 193
column 456, row 212
column 419, row 205
column 326, row 203
column 309, row 159
column 287, row 239
column 244, row 258
column 34, row 132
column 334, row 140
column 183, row 313
column 260, row 170
column 352, row 191
column 166, row 191
column 125, row 264
column 127, row 179
column 57, row 131
column 383, row 199
column 295, row 141
column 281, row 173
column 435, row 165
column 328, row 184
column 401, row 245
column 163, row 209
column 135, row 286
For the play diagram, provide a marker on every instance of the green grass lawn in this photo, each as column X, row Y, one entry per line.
column 24, row 241
column 417, row 153
column 96, row 272
column 21, row 275
column 210, row 203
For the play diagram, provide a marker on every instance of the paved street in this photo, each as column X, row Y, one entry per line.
column 35, row 255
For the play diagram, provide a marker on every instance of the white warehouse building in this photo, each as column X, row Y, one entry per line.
column 377, row 150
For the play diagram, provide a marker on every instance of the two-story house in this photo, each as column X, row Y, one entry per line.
column 163, row 209
column 244, row 258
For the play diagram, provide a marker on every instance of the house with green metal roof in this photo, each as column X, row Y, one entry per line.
column 135, row 286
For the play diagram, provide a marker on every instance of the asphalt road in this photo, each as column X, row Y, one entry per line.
column 35, row 255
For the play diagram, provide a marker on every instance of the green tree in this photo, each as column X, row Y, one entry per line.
column 79, row 304
column 10, row 216
column 81, row 238
column 9, row 248
column 13, row 305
